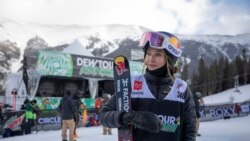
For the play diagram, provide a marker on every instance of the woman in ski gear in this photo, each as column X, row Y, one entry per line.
column 162, row 105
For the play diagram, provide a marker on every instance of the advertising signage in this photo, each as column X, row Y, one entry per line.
column 56, row 63
column 92, row 67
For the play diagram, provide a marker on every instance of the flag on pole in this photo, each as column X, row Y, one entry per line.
column 25, row 75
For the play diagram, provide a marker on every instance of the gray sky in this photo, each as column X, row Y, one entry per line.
column 178, row 16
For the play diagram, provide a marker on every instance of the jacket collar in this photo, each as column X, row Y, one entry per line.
column 156, row 80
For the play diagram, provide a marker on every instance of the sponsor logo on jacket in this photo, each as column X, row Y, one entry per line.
column 169, row 123
column 137, row 85
column 137, row 88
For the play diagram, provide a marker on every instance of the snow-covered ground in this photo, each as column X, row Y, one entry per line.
column 234, row 129
column 228, row 95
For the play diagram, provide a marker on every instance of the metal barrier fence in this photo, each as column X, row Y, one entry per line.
column 46, row 120
column 215, row 112
column 50, row 119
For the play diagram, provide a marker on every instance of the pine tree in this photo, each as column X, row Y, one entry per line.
column 194, row 83
column 35, row 44
column 8, row 52
column 212, row 78
column 245, row 67
column 248, row 72
column 219, row 69
column 228, row 74
column 202, row 76
column 184, row 73
column 239, row 69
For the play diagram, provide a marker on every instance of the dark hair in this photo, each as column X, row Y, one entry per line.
column 26, row 101
column 14, row 91
column 145, row 49
column 34, row 101
column 77, row 95
column 68, row 92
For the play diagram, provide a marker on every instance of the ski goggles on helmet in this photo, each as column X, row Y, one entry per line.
column 162, row 40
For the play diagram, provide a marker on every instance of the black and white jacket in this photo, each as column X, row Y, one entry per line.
column 171, row 101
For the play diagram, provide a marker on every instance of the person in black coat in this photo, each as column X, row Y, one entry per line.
column 79, row 106
column 198, row 100
column 105, row 99
column 68, row 110
column 162, row 105
column 1, row 114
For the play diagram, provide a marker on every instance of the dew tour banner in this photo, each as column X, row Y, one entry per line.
column 62, row 64
column 92, row 67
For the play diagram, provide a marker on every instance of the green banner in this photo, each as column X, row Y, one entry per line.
column 1, row 99
column 48, row 103
column 88, row 102
column 135, row 68
column 54, row 63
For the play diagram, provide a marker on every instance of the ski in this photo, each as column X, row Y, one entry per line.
column 122, row 84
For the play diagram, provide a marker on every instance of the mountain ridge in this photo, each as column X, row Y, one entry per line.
column 111, row 40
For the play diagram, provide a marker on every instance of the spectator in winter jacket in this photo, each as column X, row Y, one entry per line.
column 23, row 107
column 67, row 109
column 1, row 114
column 105, row 99
column 198, row 100
column 237, row 109
column 30, row 114
column 79, row 107
column 162, row 105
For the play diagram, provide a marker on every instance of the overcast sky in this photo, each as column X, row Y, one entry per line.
column 176, row 16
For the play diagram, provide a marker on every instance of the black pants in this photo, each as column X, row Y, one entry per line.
column 28, row 126
column 1, row 117
column 76, row 119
